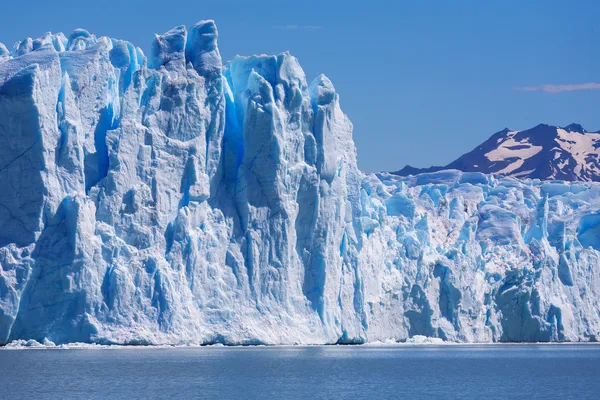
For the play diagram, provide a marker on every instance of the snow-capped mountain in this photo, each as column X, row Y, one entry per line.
column 544, row 152
column 177, row 199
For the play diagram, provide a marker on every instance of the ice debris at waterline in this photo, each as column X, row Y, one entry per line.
column 180, row 200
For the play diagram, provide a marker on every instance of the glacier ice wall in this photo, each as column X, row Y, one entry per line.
column 175, row 199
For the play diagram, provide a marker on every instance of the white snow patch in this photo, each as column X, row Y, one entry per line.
column 580, row 146
column 510, row 148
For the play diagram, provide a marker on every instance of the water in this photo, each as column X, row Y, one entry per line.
column 323, row 372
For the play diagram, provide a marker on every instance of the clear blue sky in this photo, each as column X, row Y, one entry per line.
column 422, row 81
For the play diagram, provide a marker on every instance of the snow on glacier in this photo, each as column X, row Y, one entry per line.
column 176, row 199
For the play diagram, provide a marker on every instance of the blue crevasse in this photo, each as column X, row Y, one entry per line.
column 183, row 200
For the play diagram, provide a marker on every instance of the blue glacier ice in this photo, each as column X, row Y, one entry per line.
column 179, row 199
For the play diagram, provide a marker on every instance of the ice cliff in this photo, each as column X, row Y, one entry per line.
column 175, row 199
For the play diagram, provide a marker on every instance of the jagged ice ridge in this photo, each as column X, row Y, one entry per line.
column 180, row 200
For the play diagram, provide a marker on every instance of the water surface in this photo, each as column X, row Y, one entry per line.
column 320, row 372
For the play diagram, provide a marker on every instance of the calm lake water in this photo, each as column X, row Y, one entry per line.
column 320, row 372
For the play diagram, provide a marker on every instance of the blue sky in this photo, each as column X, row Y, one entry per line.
column 422, row 81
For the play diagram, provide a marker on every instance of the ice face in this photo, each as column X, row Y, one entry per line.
column 4, row 53
column 201, row 48
column 181, row 200
column 168, row 50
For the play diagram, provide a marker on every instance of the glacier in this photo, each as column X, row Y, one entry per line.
column 177, row 199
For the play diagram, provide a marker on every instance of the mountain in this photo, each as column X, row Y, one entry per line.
column 179, row 199
column 543, row 152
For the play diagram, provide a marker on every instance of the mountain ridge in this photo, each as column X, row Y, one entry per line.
column 544, row 152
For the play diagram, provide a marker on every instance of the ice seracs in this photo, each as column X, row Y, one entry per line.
column 182, row 200
column 4, row 53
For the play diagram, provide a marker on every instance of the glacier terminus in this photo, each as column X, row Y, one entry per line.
column 177, row 199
